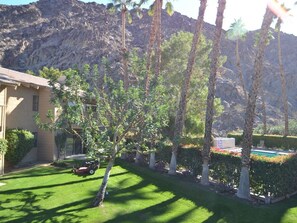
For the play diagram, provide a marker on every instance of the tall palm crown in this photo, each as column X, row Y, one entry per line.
column 123, row 6
column 238, row 32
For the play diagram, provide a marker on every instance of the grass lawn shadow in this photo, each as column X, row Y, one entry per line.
column 220, row 208
column 135, row 194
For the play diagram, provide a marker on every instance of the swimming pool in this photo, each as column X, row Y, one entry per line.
column 268, row 153
column 260, row 152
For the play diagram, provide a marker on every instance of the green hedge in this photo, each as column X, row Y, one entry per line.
column 197, row 141
column 274, row 176
column 190, row 158
column 3, row 146
column 271, row 141
column 20, row 142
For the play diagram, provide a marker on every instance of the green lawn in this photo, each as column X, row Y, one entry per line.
column 136, row 194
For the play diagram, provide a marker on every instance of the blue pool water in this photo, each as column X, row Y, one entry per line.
column 267, row 153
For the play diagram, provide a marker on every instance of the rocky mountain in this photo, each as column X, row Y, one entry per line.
column 61, row 33
column 57, row 33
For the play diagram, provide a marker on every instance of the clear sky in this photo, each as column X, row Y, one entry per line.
column 251, row 11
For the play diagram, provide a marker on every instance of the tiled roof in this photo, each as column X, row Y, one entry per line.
column 15, row 78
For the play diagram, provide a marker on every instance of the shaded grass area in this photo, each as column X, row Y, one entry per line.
column 135, row 194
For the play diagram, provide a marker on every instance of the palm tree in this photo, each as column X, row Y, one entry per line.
column 262, row 93
column 244, row 183
column 211, row 92
column 150, row 47
column 283, row 79
column 158, row 37
column 179, row 120
column 123, row 5
column 263, row 105
column 238, row 32
column 155, row 35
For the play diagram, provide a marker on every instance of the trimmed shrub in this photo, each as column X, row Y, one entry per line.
column 275, row 176
column 271, row 141
column 194, row 141
column 225, row 167
column 20, row 142
column 3, row 146
column 190, row 158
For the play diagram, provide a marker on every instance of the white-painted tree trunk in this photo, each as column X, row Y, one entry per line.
column 244, row 184
column 102, row 190
column 205, row 173
column 138, row 156
column 172, row 166
column 152, row 160
column 123, row 155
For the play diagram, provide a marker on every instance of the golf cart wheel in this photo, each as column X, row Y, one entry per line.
column 91, row 171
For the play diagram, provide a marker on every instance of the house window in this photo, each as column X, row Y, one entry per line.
column 35, row 102
column 35, row 138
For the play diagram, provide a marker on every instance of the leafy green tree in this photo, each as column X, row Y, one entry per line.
column 106, row 114
column 46, row 72
column 175, row 52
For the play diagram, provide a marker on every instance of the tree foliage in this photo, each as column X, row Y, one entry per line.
column 107, row 113
column 175, row 52
column 3, row 146
column 237, row 30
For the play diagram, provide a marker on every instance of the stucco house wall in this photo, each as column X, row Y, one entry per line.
column 46, row 139
column 2, row 123
column 16, row 94
column 19, row 113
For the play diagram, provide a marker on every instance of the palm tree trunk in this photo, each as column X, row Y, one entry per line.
column 244, row 183
column 138, row 158
column 239, row 69
column 150, row 50
column 283, row 80
column 264, row 114
column 124, row 49
column 158, row 38
column 211, row 92
column 152, row 160
column 180, row 116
